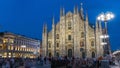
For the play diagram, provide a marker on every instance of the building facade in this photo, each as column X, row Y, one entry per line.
column 72, row 36
column 13, row 45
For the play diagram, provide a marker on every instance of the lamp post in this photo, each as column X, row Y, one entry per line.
column 105, row 17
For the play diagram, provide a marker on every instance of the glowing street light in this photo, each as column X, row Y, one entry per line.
column 104, row 36
column 105, row 17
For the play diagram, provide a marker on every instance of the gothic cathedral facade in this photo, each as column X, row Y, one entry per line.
column 72, row 36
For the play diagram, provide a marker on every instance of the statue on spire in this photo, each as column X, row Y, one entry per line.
column 81, row 11
column 81, row 6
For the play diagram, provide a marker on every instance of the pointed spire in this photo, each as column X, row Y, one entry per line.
column 100, row 27
column 81, row 11
column 75, row 9
column 62, row 12
column 96, row 24
column 86, row 16
column 45, row 27
column 53, row 21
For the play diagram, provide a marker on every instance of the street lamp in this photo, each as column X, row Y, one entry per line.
column 105, row 17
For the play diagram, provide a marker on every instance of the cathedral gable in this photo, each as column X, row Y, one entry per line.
column 69, row 14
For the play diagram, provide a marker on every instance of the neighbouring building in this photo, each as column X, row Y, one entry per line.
column 72, row 36
column 14, row 45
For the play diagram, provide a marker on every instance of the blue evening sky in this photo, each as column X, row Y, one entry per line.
column 26, row 17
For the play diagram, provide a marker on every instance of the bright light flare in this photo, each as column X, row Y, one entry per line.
column 101, row 36
column 104, row 36
column 112, row 16
column 103, row 43
column 98, row 18
column 105, row 16
column 23, row 46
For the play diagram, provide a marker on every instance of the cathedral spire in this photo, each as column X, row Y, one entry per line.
column 86, row 21
column 96, row 24
column 86, row 16
column 75, row 9
column 46, row 28
column 53, row 21
column 100, row 27
column 81, row 11
column 62, row 12
column 43, row 28
column 97, row 27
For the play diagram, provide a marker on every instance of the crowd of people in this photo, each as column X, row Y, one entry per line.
column 55, row 62
column 65, row 62
column 16, row 62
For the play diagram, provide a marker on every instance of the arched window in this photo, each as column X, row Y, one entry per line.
column 82, row 35
column 93, row 54
column 57, row 36
column 92, row 43
column 81, row 43
column 69, row 25
column 69, row 37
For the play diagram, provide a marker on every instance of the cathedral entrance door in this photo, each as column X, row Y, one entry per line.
column 57, row 54
column 83, row 54
column 93, row 54
column 69, row 52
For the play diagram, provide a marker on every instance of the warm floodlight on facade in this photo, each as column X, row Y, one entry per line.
column 23, row 46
